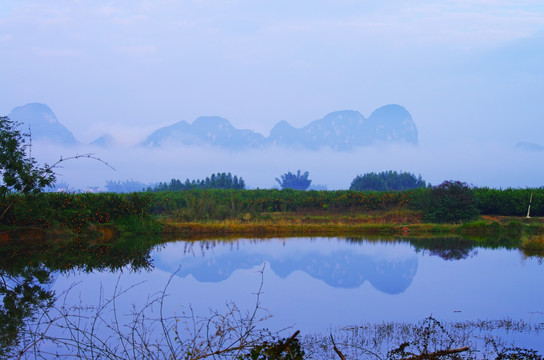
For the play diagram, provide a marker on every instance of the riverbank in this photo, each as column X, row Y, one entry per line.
column 401, row 223
column 218, row 213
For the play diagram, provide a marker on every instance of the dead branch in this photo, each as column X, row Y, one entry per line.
column 336, row 350
column 78, row 156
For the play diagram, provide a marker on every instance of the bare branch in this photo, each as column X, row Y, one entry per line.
column 336, row 350
column 79, row 156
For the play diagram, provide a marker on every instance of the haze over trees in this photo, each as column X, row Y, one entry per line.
column 387, row 181
column 296, row 181
column 126, row 186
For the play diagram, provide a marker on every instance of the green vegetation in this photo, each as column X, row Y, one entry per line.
column 387, row 181
column 450, row 202
column 295, row 182
column 77, row 212
column 287, row 212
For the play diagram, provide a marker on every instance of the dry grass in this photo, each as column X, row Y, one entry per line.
column 533, row 243
column 392, row 223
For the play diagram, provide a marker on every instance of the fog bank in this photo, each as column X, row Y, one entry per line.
column 489, row 164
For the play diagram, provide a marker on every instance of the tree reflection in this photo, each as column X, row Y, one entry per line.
column 447, row 248
column 26, row 275
column 23, row 294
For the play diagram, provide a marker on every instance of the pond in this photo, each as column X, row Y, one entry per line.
column 316, row 285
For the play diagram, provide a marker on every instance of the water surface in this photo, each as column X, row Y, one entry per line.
column 315, row 284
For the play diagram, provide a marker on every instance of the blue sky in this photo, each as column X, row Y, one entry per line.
column 469, row 71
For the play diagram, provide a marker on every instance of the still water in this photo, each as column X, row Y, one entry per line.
column 317, row 284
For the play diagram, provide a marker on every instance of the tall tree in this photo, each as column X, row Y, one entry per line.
column 296, row 181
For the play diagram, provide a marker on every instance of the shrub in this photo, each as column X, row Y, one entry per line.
column 387, row 181
column 451, row 201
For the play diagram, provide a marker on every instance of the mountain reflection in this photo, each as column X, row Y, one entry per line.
column 337, row 263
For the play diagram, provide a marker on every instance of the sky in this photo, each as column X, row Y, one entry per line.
column 469, row 72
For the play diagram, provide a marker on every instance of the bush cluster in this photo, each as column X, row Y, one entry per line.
column 74, row 211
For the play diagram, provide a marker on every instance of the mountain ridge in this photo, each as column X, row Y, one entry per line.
column 42, row 123
column 339, row 130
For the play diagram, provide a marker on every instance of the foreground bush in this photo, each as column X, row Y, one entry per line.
column 74, row 211
column 450, row 202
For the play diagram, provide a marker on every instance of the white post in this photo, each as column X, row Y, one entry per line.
column 529, row 208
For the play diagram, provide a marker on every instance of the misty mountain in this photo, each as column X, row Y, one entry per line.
column 43, row 124
column 528, row 146
column 340, row 130
column 344, row 130
column 205, row 130
column 104, row 141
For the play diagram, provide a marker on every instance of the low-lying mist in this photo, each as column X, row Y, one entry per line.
column 489, row 165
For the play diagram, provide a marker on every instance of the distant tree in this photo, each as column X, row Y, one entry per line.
column 126, row 186
column 318, row 187
column 215, row 181
column 387, row 181
column 295, row 182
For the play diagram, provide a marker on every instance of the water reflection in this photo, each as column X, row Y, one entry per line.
column 311, row 283
column 23, row 292
column 29, row 270
column 335, row 262
column 447, row 248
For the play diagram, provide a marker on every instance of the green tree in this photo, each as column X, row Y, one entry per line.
column 294, row 181
column 20, row 171
column 387, row 181
column 451, row 201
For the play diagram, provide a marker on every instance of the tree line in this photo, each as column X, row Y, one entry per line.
column 215, row 181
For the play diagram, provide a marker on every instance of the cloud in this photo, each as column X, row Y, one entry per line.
column 139, row 50
column 108, row 11
column 57, row 52
column 130, row 20
column 6, row 38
